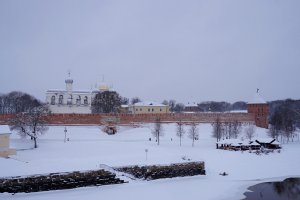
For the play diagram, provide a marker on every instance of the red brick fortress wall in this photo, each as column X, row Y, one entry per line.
column 4, row 118
column 187, row 117
column 98, row 119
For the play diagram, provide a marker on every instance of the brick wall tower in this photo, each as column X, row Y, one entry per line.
column 260, row 109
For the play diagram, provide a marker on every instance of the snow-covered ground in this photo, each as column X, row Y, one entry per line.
column 88, row 147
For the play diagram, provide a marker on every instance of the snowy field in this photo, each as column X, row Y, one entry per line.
column 88, row 147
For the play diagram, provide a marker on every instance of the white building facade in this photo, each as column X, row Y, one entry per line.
column 5, row 150
column 72, row 101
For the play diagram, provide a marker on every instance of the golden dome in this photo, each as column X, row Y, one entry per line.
column 103, row 87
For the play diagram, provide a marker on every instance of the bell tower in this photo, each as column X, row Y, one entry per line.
column 69, row 83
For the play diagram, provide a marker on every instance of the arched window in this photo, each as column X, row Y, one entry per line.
column 85, row 101
column 78, row 100
column 60, row 99
column 53, row 100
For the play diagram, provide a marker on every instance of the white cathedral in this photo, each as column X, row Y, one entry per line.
column 72, row 101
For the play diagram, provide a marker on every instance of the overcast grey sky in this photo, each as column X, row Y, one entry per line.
column 155, row 49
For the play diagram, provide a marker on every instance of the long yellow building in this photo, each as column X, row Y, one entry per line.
column 148, row 108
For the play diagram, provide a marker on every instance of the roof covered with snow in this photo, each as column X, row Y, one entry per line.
column 238, row 111
column 257, row 99
column 276, row 143
column 148, row 103
column 237, row 142
column 4, row 129
column 230, row 141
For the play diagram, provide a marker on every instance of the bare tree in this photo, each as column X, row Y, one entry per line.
column 180, row 130
column 289, row 127
column 217, row 129
column 179, row 107
column 274, row 132
column 193, row 132
column 236, row 128
column 32, row 123
column 165, row 102
column 157, row 131
column 172, row 104
column 124, row 101
column 229, row 129
column 225, row 130
column 250, row 130
column 135, row 100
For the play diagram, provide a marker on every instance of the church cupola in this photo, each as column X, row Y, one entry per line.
column 103, row 86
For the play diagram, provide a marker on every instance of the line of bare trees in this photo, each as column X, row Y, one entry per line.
column 16, row 102
column 193, row 131
column 207, row 106
column 174, row 107
column 229, row 130
column 283, row 123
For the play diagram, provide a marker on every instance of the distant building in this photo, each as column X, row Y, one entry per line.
column 124, row 109
column 260, row 108
column 148, row 107
column 5, row 151
column 191, row 107
column 72, row 101
column 255, row 144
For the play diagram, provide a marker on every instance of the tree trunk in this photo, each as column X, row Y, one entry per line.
column 35, row 144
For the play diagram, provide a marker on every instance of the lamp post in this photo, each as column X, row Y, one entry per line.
column 146, row 151
column 65, row 134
